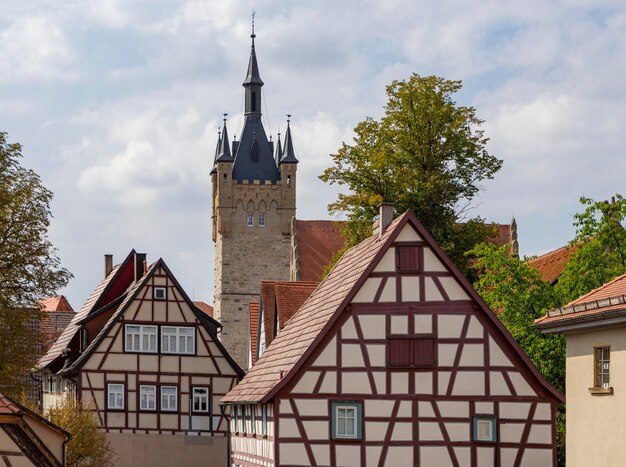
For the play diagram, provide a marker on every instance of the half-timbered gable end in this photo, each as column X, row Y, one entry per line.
column 394, row 360
column 151, row 365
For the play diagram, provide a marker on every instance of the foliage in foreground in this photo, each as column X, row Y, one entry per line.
column 88, row 446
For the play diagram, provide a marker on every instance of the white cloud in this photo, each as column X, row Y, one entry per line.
column 35, row 48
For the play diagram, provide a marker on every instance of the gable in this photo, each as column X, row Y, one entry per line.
column 367, row 278
column 144, row 307
column 424, row 277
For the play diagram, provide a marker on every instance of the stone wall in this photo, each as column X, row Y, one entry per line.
column 246, row 255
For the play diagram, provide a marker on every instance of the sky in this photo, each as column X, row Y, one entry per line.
column 117, row 104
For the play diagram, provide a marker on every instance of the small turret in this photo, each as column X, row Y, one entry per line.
column 289, row 156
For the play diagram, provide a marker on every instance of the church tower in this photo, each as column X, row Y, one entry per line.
column 254, row 200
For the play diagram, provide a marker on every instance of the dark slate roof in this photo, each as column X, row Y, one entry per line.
column 223, row 151
column 254, row 159
column 289, row 156
column 253, row 76
column 278, row 155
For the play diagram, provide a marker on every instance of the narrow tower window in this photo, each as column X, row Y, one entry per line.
column 261, row 219
column 250, row 219
column 253, row 103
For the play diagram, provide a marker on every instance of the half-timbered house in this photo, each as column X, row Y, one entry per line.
column 149, row 363
column 394, row 360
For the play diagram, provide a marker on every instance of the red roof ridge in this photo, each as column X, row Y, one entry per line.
column 582, row 298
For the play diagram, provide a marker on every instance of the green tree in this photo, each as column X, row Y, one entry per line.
column 426, row 154
column 516, row 293
column 88, row 446
column 601, row 248
column 29, row 267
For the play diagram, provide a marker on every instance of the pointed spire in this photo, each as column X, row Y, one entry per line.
column 514, row 242
column 289, row 156
column 253, row 76
column 223, row 151
column 279, row 150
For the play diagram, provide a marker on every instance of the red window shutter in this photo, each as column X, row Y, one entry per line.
column 423, row 352
column 399, row 352
column 408, row 258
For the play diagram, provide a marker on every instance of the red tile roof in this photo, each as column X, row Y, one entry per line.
column 204, row 308
column 286, row 355
column 551, row 264
column 9, row 406
column 604, row 301
column 57, row 303
column 254, row 329
column 316, row 244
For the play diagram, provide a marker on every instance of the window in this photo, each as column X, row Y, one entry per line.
column 408, row 258
column 261, row 219
column 236, row 418
column 250, row 219
column 485, row 428
column 253, row 419
column 200, row 400
column 141, row 338
column 115, row 396
column 179, row 340
column 602, row 360
column 346, row 419
column 264, row 420
column 147, row 397
column 411, row 351
column 169, row 398
column 160, row 293
column 243, row 418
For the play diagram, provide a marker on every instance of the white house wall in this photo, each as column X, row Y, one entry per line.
column 109, row 363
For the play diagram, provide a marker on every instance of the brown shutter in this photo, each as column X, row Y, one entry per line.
column 400, row 352
column 423, row 351
column 408, row 258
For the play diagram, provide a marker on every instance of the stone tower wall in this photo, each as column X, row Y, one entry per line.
column 244, row 256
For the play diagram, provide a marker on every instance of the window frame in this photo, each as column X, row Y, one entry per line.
column 357, row 406
column 261, row 219
column 243, row 418
column 602, row 355
column 143, row 334
column 208, row 399
column 250, row 219
column 155, row 291
column 140, row 396
column 264, row 419
column 253, row 419
column 123, row 394
column 414, row 338
column 177, row 337
column 493, row 424
column 169, row 409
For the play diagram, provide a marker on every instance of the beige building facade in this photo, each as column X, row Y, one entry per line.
column 595, row 326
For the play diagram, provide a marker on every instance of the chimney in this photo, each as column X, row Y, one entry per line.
column 385, row 216
column 140, row 258
column 108, row 264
